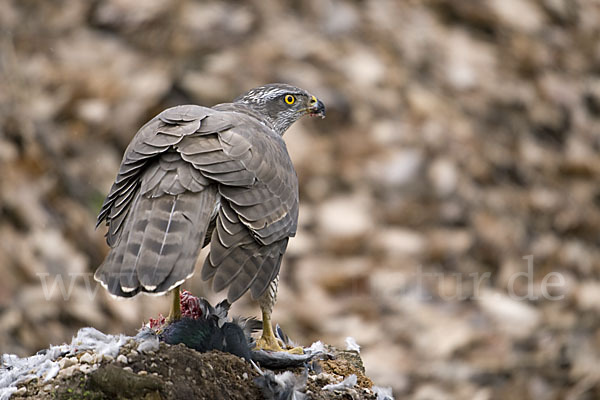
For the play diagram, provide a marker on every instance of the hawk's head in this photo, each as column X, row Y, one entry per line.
column 282, row 104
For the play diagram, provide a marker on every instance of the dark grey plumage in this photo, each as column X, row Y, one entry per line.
column 191, row 170
column 283, row 386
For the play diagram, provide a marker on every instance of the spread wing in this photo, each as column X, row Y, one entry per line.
column 163, row 200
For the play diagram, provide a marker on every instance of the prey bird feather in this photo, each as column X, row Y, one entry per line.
column 195, row 175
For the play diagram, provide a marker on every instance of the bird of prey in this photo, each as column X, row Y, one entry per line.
column 195, row 175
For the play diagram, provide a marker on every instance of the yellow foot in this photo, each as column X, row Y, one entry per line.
column 268, row 343
column 296, row 350
column 271, row 343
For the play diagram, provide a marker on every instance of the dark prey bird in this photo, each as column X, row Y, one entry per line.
column 210, row 329
column 203, row 328
column 195, row 175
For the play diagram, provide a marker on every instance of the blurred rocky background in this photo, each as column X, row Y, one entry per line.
column 450, row 201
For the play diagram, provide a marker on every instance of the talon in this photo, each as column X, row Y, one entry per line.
column 296, row 350
column 269, row 342
column 274, row 344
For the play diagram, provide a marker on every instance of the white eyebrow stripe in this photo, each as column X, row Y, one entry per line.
column 261, row 93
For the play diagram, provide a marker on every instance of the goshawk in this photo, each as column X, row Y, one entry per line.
column 195, row 175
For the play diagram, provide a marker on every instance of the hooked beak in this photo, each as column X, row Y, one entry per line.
column 316, row 108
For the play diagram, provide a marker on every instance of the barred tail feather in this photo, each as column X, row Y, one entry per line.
column 159, row 245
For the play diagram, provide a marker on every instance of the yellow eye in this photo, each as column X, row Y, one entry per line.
column 289, row 99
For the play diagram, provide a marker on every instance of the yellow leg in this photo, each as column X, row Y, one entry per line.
column 175, row 313
column 268, row 341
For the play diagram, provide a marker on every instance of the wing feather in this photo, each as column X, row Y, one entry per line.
column 173, row 173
